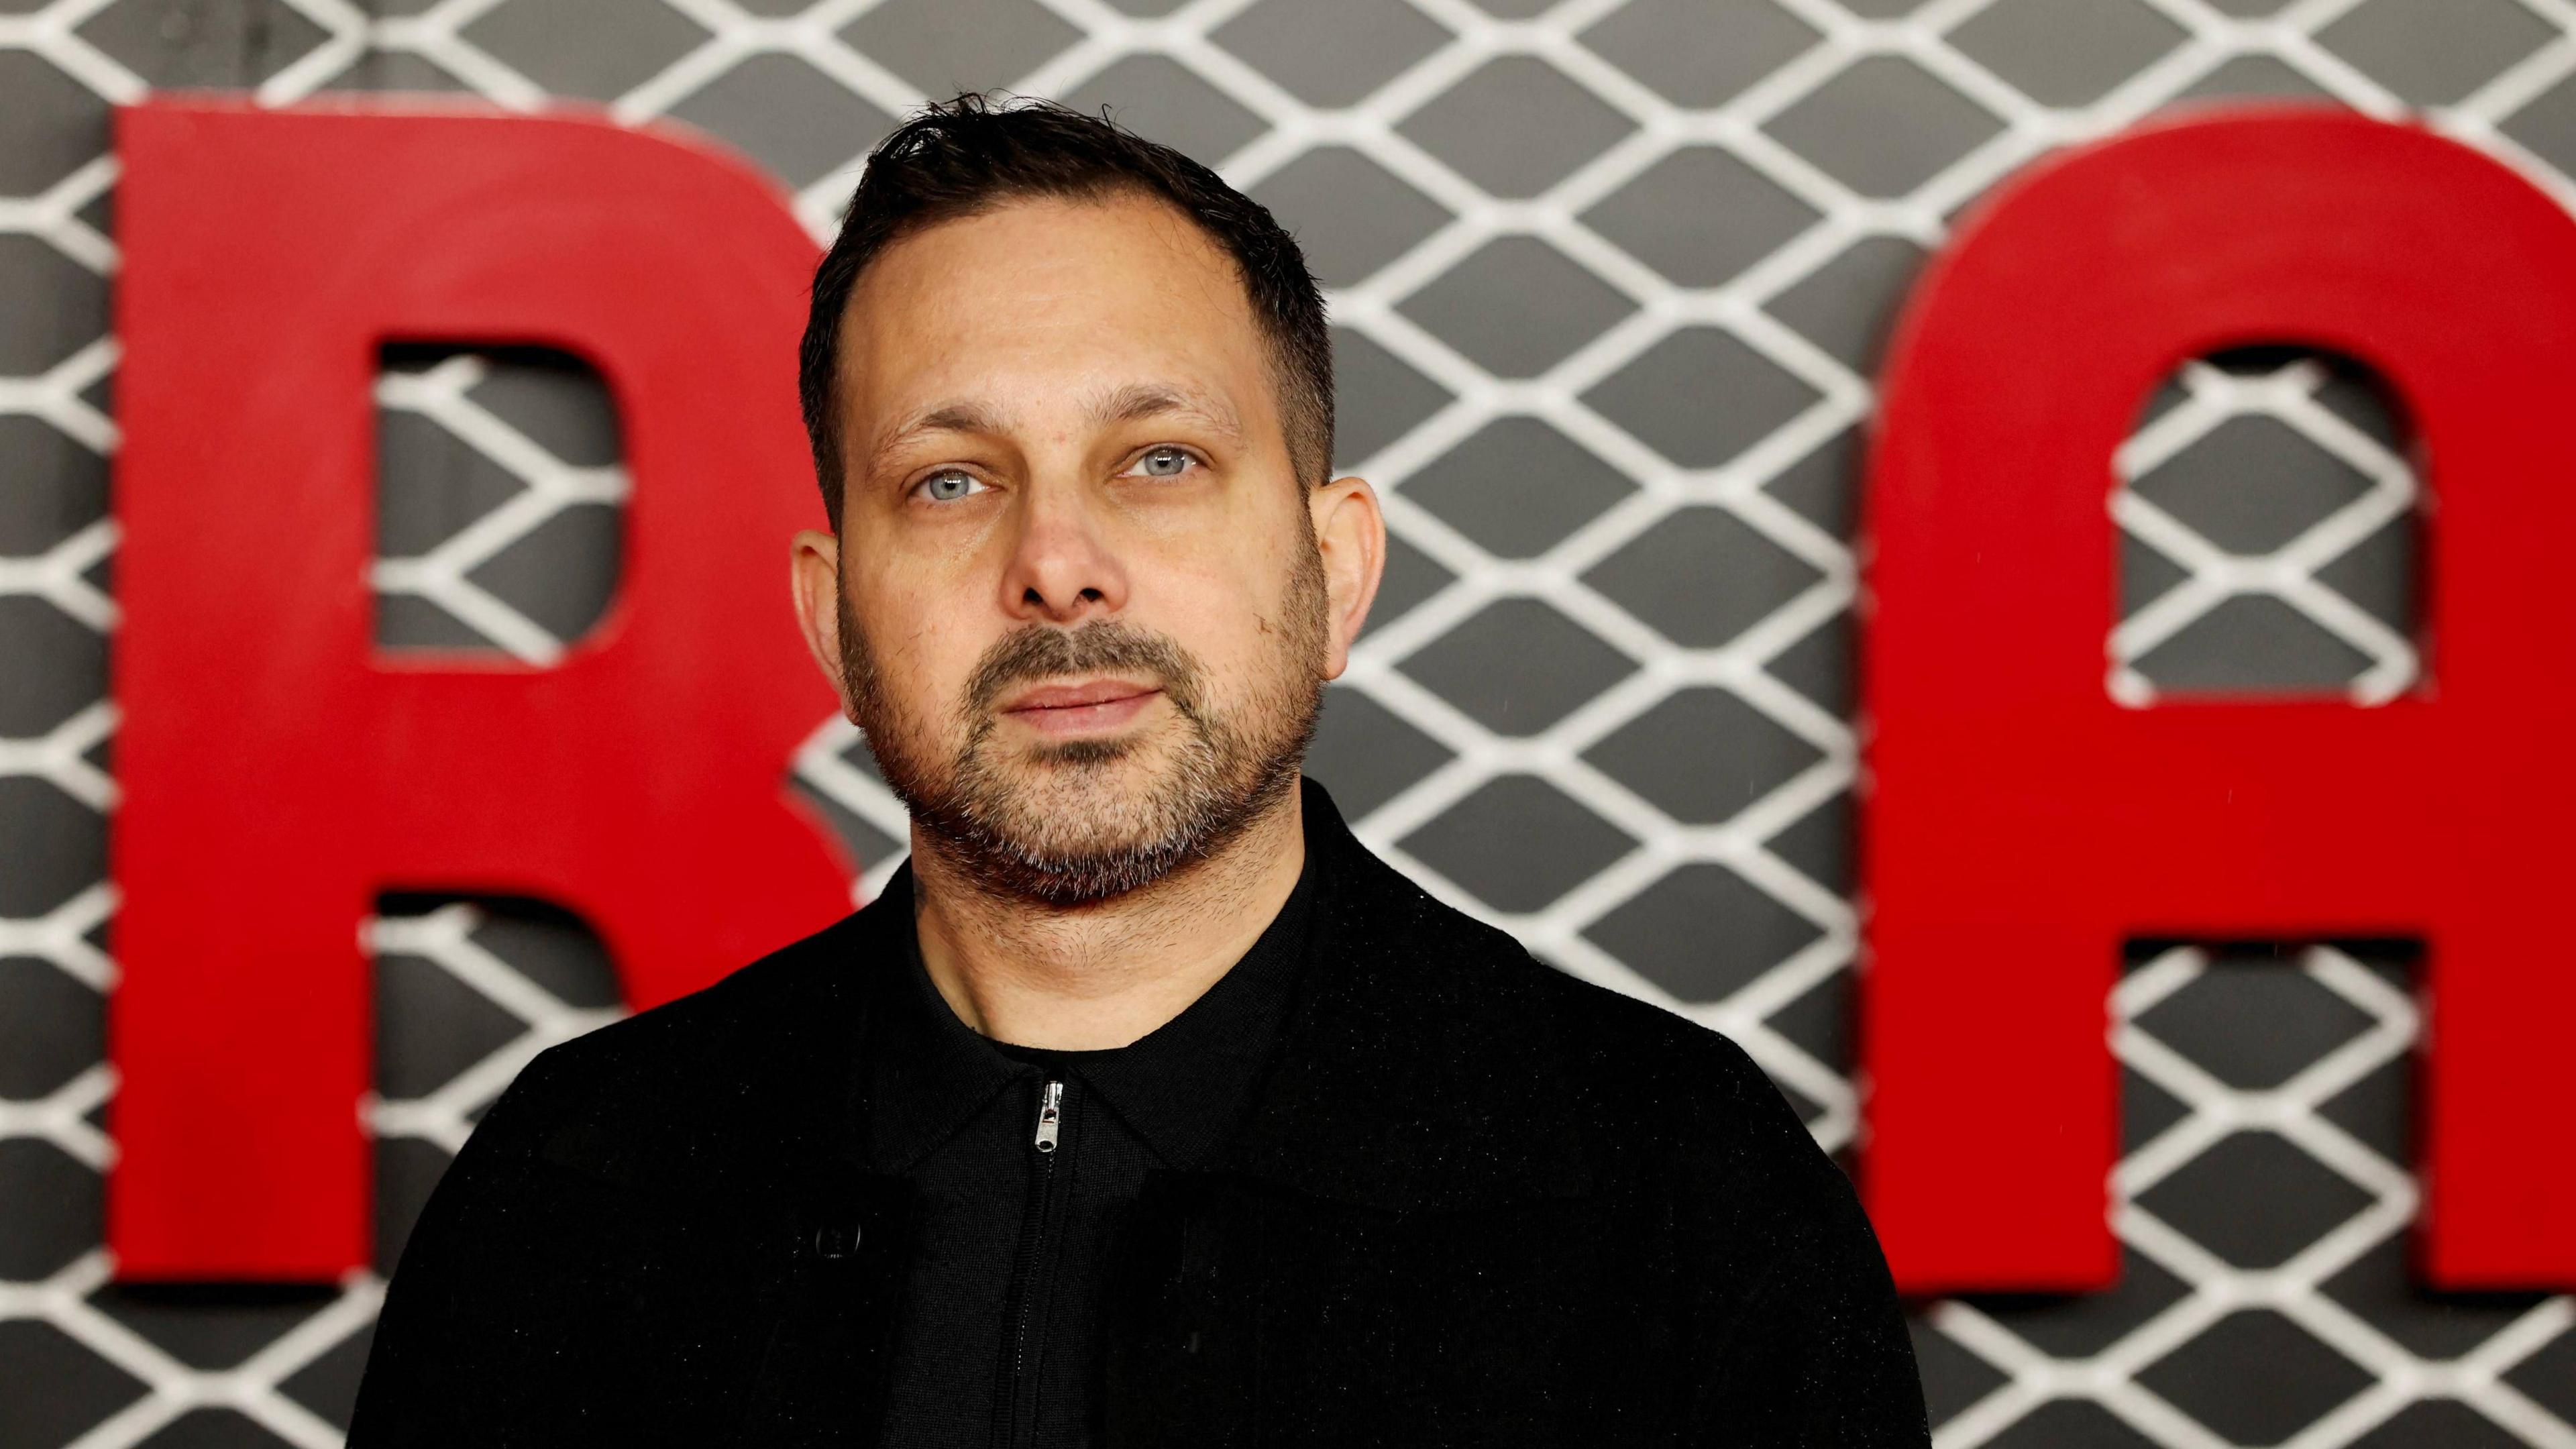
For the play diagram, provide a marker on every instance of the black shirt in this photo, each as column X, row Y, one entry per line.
column 998, row 1339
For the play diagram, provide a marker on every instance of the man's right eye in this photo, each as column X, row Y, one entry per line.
column 948, row 485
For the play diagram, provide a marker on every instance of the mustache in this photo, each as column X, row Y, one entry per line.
column 1040, row 651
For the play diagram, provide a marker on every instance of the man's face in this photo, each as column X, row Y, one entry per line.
column 1079, row 605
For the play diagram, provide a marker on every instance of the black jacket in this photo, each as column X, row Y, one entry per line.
column 1477, row 1202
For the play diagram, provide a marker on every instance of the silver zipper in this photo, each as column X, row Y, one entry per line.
column 1050, row 1115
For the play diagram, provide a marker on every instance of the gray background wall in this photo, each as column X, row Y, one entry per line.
column 1610, row 278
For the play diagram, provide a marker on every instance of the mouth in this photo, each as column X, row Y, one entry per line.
column 1063, row 709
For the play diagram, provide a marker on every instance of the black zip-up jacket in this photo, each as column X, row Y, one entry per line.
column 1476, row 1201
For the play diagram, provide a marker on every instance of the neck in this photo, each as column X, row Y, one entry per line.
column 1102, row 974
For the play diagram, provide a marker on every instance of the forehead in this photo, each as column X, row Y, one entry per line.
column 1046, row 298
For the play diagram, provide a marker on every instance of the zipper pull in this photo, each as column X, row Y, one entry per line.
column 1050, row 1115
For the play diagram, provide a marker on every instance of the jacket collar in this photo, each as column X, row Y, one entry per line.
column 1416, row 1071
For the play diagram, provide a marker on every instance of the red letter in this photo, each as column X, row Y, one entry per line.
column 2022, row 824
column 276, row 774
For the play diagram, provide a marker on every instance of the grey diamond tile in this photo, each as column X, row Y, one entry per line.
column 1847, row 305
column 1365, row 753
column 56, row 306
column 1884, row 126
column 1818, row 844
column 2071, row 1424
column 1820, row 665
column 1377, row 398
column 407, row 621
column 1517, row 306
column 1516, row 126
column 1517, row 666
column 52, row 1028
column 1881, row 9
column 393, row 70
column 55, row 1211
column 2435, row 52
column 2253, row 1023
column 2444, row 1422
column 2252, row 644
column 229, row 44
column 1517, row 487
column 1695, row 53
column 2379, row 1110
column 2251, row 485
column 1411, row 576
column 2255, row 1377
column 407, row 1168
column 1513, row 9
column 57, row 666
column 946, row 46
column 1158, row 98
column 56, row 846
column 2255, row 75
column 1700, row 396
column 2549, row 1376
column 596, row 48
column 56, row 487
column 553, row 948
column 212, row 1429
column 430, row 1026
column 1700, row 215
column 1953, row 1377
column 1518, row 843
column 2546, row 125
column 81, row 1388
column 1331, row 52
column 563, row 572
column 2067, row 52
column 556, row 400
column 1350, row 215
column 212, row 1326
column 1145, row 7
column 2380, row 1289
column 2147, row 1111
column 2378, row 574
column 1824, row 486
column 2212, row 1199
column 2146, row 574
column 1702, row 932
column 1701, row 577
column 431, row 484
column 328, row 1385
column 1702, row 755
column 788, row 116
column 50, row 124
column 2078, row 1326
column 1819, row 1021
column 2248, row 9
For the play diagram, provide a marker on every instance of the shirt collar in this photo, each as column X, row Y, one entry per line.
column 1183, row 1087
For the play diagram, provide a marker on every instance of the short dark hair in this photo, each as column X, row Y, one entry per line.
column 966, row 155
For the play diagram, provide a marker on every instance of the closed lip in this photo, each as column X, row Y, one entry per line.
column 1072, row 696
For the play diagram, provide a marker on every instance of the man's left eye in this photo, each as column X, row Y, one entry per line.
column 1163, row 462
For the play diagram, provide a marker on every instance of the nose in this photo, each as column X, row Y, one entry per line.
column 1062, row 568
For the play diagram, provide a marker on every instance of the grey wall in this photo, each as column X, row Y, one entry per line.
column 1610, row 279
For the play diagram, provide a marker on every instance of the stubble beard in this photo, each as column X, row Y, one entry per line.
column 1055, row 824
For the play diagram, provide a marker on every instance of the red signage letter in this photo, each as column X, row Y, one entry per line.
column 2021, row 824
column 276, row 773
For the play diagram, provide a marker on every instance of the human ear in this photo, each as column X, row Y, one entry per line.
column 814, row 577
column 1350, row 535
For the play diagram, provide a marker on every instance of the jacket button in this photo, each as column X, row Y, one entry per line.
column 836, row 1240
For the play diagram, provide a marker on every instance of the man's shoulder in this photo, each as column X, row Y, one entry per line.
column 683, row 1081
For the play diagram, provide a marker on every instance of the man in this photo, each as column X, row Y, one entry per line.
column 1145, row 1106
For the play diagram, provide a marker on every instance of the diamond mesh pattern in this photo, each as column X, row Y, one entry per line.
column 1627, row 260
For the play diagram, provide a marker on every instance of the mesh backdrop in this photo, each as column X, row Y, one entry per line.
column 1609, row 279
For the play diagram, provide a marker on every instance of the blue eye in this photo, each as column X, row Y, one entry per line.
column 949, row 486
column 1164, row 463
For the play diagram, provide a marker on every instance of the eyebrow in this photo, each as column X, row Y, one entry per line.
column 1138, row 401
column 947, row 417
